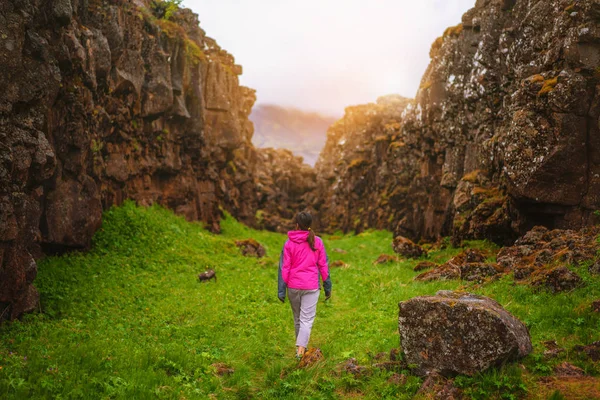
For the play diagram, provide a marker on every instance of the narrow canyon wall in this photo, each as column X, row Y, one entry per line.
column 107, row 100
column 503, row 133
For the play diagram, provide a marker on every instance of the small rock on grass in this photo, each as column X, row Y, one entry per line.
column 407, row 248
column 311, row 357
column 251, row 248
column 591, row 350
column 352, row 368
column 566, row 369
column 596, row 306
column 338, row 263
column 552, row 349
column 222, row 369
column 385, row 259
column 437, row 387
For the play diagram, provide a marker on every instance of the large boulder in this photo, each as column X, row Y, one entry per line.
column 457, row 332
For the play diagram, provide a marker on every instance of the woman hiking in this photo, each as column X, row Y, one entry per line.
column 302, row 259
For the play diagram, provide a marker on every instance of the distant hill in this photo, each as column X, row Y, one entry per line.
column 302, row 132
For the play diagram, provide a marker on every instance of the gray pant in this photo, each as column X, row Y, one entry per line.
column 304, row 307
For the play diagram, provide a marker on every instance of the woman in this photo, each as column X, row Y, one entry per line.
column 302, row 259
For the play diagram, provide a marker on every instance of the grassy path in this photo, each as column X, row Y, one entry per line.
column 129, row 320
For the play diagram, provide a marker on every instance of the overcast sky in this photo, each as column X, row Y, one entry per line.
column 324, row 55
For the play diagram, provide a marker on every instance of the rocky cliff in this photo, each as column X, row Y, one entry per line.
column 104, row 100
column 503, row 133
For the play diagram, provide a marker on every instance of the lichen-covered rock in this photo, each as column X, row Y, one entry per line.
column 592, row 350
column 456, row 332
column 407, row 248
column 251, row 248
column 559, row 279
column 535, row 256
column 469, row 265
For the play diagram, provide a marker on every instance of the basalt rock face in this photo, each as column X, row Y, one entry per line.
column 103, row 101
column 503, row 133
column 362, row 172
column 285, row 186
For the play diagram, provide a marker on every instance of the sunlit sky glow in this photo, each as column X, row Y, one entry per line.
column 324, row 55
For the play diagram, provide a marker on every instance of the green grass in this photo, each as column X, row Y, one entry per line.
column 129, row 320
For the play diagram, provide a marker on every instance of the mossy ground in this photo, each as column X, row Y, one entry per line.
column 129, row 320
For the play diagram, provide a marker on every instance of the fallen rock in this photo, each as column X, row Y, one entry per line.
column 338, row 263
column 469, row 265
column 352, row 368
column 557, row 280
column 407, row 248
column 568, row 370
column 535, row 255
column 552, row 349
column 251, row 248
column 222, row 369
column 310, row 357
column 423, row 265
column 457, row 332
column 439, row 388
column 596, row 306
column 385, row 259
column 591, row 350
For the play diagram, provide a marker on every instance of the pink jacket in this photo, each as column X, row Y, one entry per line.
column 301, row 266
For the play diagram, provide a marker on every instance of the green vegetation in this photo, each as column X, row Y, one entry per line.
column 129, row 320
column 164, row 9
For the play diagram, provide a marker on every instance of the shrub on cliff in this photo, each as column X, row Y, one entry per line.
column 164, row 9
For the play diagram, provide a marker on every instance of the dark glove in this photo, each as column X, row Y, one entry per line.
column 281, row 299
column 327, row 295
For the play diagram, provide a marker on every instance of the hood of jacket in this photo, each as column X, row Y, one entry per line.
column 298, row 236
